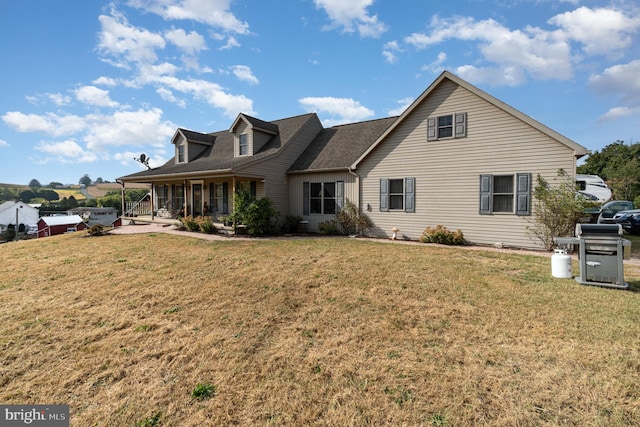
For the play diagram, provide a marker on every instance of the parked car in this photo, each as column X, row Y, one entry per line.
column 609, row 209
column 629, row 220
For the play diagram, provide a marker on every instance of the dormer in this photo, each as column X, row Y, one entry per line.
column 250, row 134
column 190, row 144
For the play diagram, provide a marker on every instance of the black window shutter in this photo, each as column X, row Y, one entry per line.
column 339, row 195
column 486, row 194
column 432, row 129
column 253, row 188
column 306, row 208
column 225, row 197
column 523, row 194
column 384, row 194
column 460, row 123
column 409, row 195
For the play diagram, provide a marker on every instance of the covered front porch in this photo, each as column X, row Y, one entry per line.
column 171, row 199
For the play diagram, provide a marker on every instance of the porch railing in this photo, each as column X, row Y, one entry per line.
column 141, row 207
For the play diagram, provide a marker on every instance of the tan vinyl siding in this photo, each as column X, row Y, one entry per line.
column 447, row 171
column 296, row 194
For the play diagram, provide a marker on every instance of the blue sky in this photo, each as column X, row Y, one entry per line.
column 89, row 85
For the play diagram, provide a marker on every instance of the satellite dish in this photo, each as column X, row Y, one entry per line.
column 144, row 159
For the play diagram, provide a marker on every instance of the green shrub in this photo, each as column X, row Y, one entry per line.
column 205, row 223
column 442, row 235
column 96, row 230
column 329, row 227
column 190, row 223
column 350, row 220
column 257, row 214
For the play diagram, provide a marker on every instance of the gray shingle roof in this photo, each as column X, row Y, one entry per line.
column 192, row 136
column 339, row 146
column 220, row 155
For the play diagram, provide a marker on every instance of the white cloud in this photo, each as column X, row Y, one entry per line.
column 99, row 131
column 352, row 15
column 92, row 95
column 135, row 128
column 59, row 99
column 168, row 96
column 215, row 13
column 436, row 65
column 601, row 31
column 231, row 43
column 616, row 113
column 3, row 143
column 209, row 92
column 390, row 51
column 540, row 54
column 49, row 123
column 243, row 73
column 105, row 81
column 623, row 81
column 403, row 105
column 126, row 43
column 347, row 109
column 68, row 151
column 191, row 43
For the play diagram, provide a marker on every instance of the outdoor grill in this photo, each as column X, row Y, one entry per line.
column 601, row 251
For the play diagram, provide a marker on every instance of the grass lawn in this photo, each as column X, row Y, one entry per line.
column 160, row 328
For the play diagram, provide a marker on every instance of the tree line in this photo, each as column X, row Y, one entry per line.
column 619, row 165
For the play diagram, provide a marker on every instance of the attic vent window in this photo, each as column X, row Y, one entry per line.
column 243, row 145
column 447, row 126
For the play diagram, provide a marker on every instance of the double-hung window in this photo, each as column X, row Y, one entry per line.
column 397, row 194
column 508, row 194
column 324, row 198
column 181, row 153
column 447, row 126
column 243, row 145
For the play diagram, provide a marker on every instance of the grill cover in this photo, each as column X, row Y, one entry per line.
column 599, row 230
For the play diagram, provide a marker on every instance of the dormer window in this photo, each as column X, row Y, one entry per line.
column 243, row 145
column 181, row 153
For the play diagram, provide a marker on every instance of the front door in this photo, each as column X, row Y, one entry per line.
column 197, row 199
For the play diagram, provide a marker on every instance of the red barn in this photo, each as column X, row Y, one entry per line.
column 52, row 225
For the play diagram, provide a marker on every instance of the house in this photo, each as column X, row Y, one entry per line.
column 92, row 216
column 60, row 224
column 456, row 156
column 27, row 215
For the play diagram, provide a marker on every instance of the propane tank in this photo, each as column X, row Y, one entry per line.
column 561, row 265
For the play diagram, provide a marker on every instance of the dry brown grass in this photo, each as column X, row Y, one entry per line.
column 311, row 332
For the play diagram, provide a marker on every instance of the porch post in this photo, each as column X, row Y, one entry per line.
column 185, row 200
column 122, row 198
column 152, row 204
